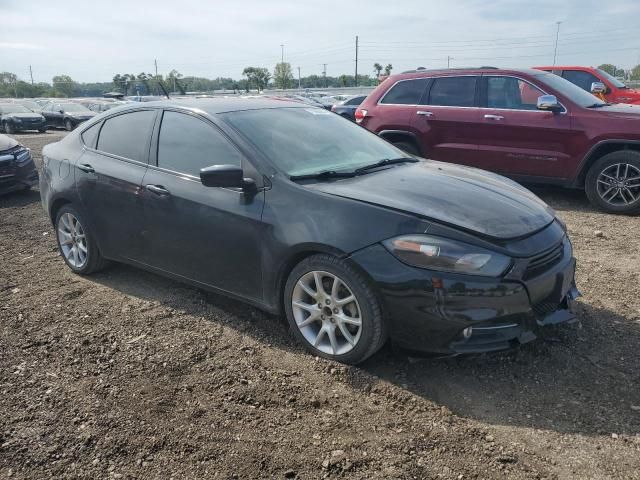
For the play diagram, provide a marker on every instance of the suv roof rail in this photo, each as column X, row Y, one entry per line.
column 422, row 69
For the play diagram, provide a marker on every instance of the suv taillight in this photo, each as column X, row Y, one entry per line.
column 360, row 115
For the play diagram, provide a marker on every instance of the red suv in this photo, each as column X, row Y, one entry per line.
column 530, row 125
column 614, row 90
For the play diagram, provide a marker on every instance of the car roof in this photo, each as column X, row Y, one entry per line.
column 565, row 67
column 422, row 73
column 215, row 106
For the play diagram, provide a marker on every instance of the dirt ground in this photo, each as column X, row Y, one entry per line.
column 126, row 374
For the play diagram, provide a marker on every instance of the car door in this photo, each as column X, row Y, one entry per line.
column 208, row 235
column 517, row 138
column 396, row 108
column 47, row 113
column 108, row 178
column 447, row 119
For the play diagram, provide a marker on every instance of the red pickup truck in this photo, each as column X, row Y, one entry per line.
column 584, row 77
column 526, row 124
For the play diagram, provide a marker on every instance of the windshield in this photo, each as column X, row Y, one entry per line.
column 29, row 104
column 616, row 83
column 74, row 107
column 302, row 141
column 14, row 108
column 569, row 90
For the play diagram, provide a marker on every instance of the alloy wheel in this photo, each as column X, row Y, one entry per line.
column 327, row 312
column 73, row 241
column 619, row 184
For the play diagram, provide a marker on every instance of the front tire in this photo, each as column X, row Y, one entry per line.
column 613, row 183
column 333, row 311
column 408, row 147
column 8, row 128
column 68, row 125
column 76, row 243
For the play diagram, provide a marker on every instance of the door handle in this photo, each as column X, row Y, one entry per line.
column 424, row 113
column 493, row 117
column 158, row 190
column 85, row 167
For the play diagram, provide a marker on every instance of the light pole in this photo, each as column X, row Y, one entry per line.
column 449, row 61
column 299, row 84
column 282, row 48
column 555, row 50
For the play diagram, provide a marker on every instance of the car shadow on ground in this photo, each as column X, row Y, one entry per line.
column 564, row 198
column 578, row 378
column 19, row 199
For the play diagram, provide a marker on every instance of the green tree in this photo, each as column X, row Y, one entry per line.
column 282, row 75
column 64, row 86
column 635, row 73
column 344, row 80
column 257, row 76
column 609, row 68
column 388, row 68
column 377, row 68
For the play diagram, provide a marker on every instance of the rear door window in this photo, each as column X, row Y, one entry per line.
column 90, row 134
column 580, row 78
column 453, row 91
column 406, row 92
column 127, row 135
column 188, row 144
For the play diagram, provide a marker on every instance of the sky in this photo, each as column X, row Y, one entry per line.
column 92, row 41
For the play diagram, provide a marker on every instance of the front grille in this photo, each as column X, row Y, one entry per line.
column 543, row 262
column 545, row 308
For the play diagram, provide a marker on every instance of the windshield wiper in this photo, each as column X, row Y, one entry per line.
column 385, row 161
column 323, row 175
column 598, row 105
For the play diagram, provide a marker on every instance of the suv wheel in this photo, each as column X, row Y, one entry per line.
column 333, row 311
column 76, row 243
column 408, row 147
column 613, row 182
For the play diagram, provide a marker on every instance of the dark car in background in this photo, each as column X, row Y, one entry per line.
column 17, row 169
column 66, row 114
column 30, row 104
column 533, row 126
column 290, row 208
column 347, row 108
column 16, row 118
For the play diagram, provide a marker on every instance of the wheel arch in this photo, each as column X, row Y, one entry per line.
column 598, row 151
column 56, row 205
column 400, row 136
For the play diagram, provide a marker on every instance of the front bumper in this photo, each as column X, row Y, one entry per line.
column 15, row 175
column 29, row 125
column 432, row 311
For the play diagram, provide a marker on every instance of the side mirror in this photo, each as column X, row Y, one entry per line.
column 61, row 111
column 598, row 88
column 549, row 103
column 229, row 176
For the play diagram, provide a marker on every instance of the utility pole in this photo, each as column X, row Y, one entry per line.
column 555, row 51
column 449, row 61
column 31, row 73
column 356, row 77
column 299, row 81
column 282, row 48
column 324, row 74
column 155, row 62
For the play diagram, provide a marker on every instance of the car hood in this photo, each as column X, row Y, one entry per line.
column 621, row 110
column 7, row 143
column 24, row 115
column 467, row 198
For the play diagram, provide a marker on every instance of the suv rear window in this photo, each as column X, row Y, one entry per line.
column 453, row 91
column 406, row 92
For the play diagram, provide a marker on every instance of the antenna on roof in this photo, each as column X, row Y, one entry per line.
column 164, row 90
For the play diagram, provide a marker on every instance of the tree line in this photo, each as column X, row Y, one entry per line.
column 253, row 78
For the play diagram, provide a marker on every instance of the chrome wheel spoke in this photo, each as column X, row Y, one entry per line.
column 616, row 184
column 72, row 240
column 327, row 314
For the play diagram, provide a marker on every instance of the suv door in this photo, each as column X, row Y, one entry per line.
column 446, row 119
column 108, row 176
column 515, row 137
column 205, row 234
column 396, row 108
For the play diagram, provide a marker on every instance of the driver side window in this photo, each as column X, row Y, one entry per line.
column 187, row 144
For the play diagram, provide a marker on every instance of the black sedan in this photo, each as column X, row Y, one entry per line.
column 297, row 211
column 68, row 115
column 347, row 109
column 17, row 170
column 16, row 118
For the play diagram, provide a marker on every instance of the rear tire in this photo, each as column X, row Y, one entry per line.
column 42, row 130
column 409, row 147
column 72, row 232
column 354, row 330
column 613, row 183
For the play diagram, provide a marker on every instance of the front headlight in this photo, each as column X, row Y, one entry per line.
column 437, row 253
